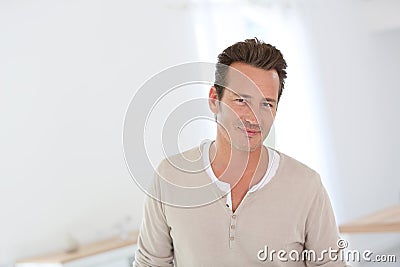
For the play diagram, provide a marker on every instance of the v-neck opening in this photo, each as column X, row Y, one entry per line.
column 225, row 187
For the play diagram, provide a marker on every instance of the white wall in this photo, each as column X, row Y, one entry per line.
column 68, row 72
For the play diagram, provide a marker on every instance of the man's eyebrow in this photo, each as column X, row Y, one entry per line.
column 243, row 95
column 249, row 96
column 270, row 99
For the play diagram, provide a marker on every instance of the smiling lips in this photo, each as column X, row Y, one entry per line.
column 250, row 132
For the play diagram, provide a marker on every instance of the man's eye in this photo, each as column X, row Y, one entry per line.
column 240, row 100
column 267, row 105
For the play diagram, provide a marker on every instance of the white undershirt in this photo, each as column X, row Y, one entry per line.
column 273, row 163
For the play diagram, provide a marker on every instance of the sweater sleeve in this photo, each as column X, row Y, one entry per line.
column 321, row 231
column 154, row 242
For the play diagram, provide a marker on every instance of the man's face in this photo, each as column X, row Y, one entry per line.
column 247, row 108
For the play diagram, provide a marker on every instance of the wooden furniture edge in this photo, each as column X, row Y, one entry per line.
column 86, row 250
column 386, row 220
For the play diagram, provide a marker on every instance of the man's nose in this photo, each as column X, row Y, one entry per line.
column 253, row 116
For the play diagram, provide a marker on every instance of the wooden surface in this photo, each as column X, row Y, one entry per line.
column 85, row 250
column 387, row 220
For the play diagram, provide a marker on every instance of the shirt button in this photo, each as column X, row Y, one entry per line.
column 234, row 216
column 232, row 226
column 231, row 238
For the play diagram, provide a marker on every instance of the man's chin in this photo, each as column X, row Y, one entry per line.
column 247, row 147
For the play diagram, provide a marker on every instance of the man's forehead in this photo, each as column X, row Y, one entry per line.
column 242, row 79
column 239, row 83
column 235, row 76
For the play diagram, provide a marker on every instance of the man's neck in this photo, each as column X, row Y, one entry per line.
column 230, row 164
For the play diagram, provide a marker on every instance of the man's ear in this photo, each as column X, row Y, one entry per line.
column 213, row 100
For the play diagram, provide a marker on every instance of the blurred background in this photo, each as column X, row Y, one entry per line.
column 68, row 70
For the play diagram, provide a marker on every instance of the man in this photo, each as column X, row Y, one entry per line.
column 263, row 207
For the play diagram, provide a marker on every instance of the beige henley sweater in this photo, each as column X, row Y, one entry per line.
column 291, row 213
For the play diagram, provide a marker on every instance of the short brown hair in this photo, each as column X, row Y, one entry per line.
column 255, row 53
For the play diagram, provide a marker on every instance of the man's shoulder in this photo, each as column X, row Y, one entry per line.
column 297, row 171
column 186, row 168
column 294, row 164
column 181, row 180
column 182, row 160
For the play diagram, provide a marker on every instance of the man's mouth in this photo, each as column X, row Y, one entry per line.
column 250, row 132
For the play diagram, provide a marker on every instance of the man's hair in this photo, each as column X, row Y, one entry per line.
column 255, row 53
